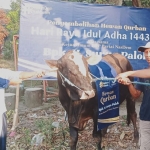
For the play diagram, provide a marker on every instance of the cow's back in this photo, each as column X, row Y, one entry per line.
column 118, row 62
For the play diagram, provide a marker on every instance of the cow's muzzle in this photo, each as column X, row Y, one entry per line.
column 87, row 94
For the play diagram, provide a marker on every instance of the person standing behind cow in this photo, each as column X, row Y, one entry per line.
column 144, row 114
column 8, row 77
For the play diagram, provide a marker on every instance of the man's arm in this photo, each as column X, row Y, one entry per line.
column 9, row 74
column 26, row 75
column 15, row 81
column 145, row 73
column 134, row 92
column 16, row 77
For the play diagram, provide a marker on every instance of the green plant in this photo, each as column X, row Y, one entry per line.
column 45, row 127
column 51, row 133
column 124, row 117
column 123, row 124
column 9, row 115
column 27, row 136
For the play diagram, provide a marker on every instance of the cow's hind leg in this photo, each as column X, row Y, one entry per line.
column 73, row 137
column 132, row 115
column 97, row 135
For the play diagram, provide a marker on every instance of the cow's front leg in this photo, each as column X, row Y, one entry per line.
column 73, row 137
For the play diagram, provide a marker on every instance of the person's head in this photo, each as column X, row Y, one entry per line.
column 146, row 50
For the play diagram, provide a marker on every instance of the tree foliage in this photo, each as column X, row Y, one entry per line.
column 3, row 22
column 12, row 27
column 14, row 16
column 145, row 3
column 135, row 3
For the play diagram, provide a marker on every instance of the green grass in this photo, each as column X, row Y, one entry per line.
column 9, row 64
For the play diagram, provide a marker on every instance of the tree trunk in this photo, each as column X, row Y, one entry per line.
column 12, row 89
column 136, row 3
column 33, row 97
column 120, row 2
column 10, row 100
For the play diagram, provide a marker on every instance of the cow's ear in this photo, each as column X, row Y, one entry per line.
column 94, row 59
column 52, row 64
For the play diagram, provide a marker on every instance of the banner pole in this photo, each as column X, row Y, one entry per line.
column 15, row 117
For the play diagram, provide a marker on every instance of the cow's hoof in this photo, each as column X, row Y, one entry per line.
column 136, row 137
column 99, row 147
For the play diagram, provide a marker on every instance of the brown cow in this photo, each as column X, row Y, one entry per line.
column 78, row 95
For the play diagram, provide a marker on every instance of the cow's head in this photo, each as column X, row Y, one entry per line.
column 74, row 75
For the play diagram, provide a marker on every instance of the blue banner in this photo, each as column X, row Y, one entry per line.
column 107, row 94
column 108, row 103
column 49, row 28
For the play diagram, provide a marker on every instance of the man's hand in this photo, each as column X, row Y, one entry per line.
column 40, row 74
column 125, row 81
column 122, row 75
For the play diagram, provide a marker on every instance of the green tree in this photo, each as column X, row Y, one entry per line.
column 12, row 27
column 14, row 17
column 145, row 3
column 135, row 3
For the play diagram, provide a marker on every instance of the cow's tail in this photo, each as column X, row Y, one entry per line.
column 129, row 68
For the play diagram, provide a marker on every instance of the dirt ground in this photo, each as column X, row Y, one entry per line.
column 119, row 136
